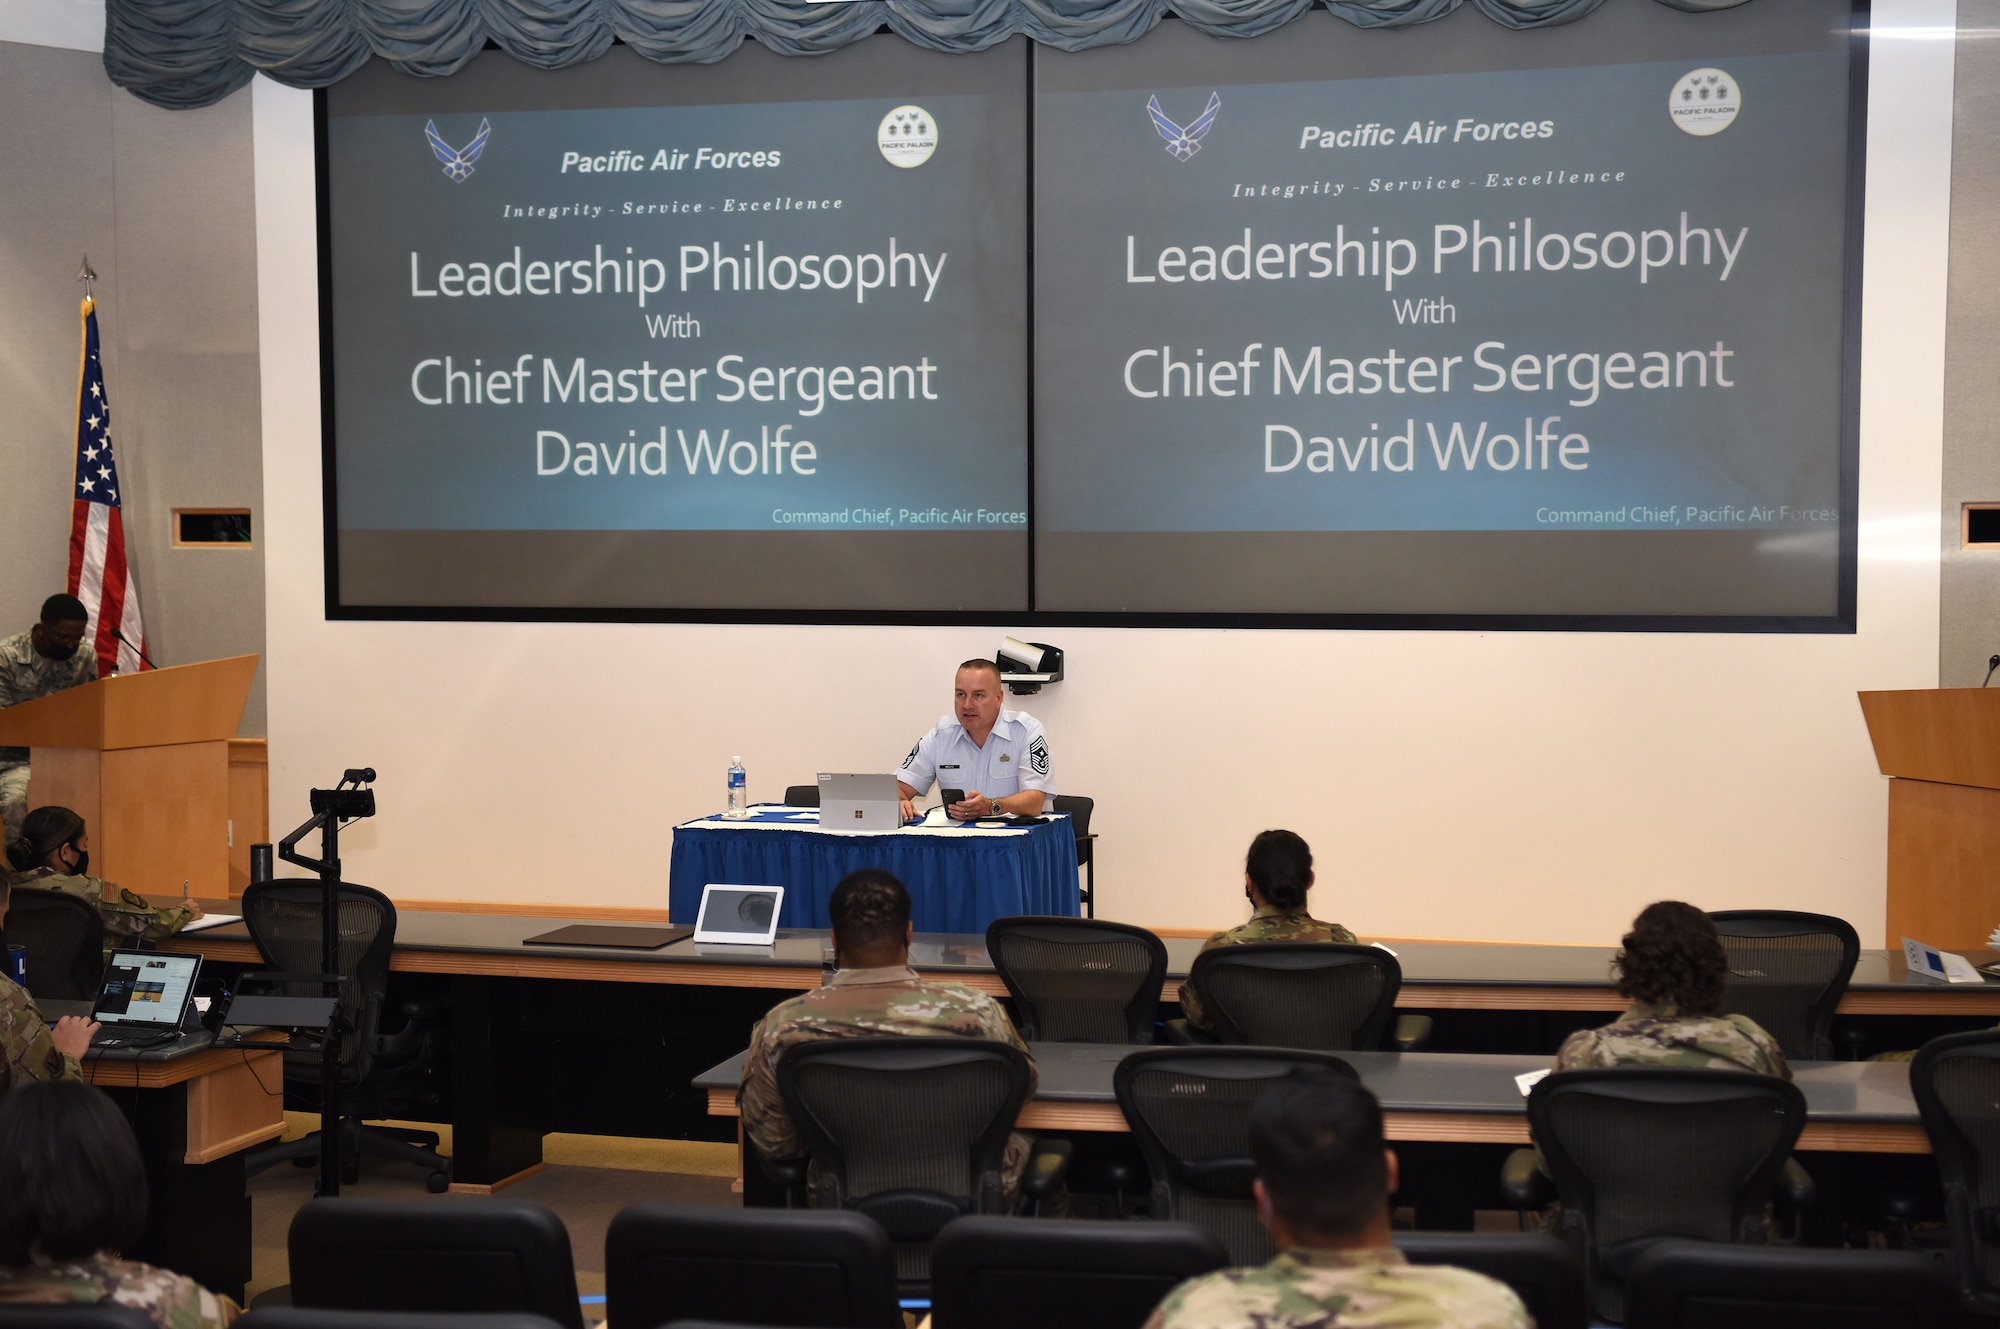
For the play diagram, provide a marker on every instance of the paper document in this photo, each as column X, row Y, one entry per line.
column 1528, row 1080
column 212, row 921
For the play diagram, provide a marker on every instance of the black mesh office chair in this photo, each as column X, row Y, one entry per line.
column 1545, row 1273
column 1189, row 1108
column 801, row 795
column 1077, row 980
column 1788, row 971
column 668, row 1262
column 295, row 1317
column 485, row 1254
column 1319, row 995
column 64, row 938
column 1003, row 1273
column 381, row 1075
column 912, row 1132
column 1699, row 1285
column 1638, row 1153
column 1078, row 808
column 1956, row 1082
column 95, row 1315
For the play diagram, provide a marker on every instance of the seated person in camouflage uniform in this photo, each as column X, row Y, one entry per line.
column 54, row 853
column 875, row 993
column 1672, row 969
column 29, row 1049
column 72, row 1195
column 1277, row 874
column 1323, row 1183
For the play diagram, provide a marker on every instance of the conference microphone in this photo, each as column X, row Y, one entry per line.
column 366, row 774
column 147, row 660
column 1992, row 663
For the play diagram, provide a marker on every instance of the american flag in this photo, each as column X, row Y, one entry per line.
column 98, row 573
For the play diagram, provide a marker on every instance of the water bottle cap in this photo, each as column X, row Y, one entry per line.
column 736, row 761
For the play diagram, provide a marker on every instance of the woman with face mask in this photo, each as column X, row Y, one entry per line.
column 54, row 851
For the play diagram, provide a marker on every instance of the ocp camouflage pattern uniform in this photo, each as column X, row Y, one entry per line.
column 866, row 1003
column 126, row 916
column 1269, row 923
column 173, row 1302
column 24, row 676
column 1352, row 1289
column 25, row 1043
column 1659, row 1035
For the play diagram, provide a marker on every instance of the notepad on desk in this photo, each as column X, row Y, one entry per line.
column 207, row 921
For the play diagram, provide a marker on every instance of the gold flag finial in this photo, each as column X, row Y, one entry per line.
column 86, row 275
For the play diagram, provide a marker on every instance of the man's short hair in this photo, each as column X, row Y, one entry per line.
column 1317, row 1141
column 869, row 909
column 981, row 662
column 63, row 609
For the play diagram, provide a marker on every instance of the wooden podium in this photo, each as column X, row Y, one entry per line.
column 1941, row 746
column 145, row 759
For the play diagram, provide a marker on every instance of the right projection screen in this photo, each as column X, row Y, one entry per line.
column 1453, row 323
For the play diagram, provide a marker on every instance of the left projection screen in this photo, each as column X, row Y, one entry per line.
column 631, row 340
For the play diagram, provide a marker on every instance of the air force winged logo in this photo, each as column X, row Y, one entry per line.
column 458, row 161
column 1184, row 143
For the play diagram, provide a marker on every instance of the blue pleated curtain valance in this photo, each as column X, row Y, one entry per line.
column 186, row 53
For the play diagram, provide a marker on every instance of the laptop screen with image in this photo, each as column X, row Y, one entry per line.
column 145, row 987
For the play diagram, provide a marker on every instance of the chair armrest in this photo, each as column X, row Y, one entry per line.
column 1524, row 1183
column 1182, row 1034
column 1413, row 1032
column 1046, row 1168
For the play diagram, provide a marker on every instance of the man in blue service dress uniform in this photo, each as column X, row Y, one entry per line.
column 998, row 759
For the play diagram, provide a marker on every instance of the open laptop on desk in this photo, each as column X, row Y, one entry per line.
column 859, row 803
column 143, row 998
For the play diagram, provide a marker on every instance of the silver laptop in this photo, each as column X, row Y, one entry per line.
column 859, row 802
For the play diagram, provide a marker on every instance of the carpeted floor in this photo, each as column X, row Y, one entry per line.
column 589, row 1178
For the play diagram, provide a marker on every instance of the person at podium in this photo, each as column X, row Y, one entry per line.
column 45, row 659
column 54, row 852
column 998, row 760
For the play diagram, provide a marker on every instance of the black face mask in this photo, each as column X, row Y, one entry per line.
column 82, row 867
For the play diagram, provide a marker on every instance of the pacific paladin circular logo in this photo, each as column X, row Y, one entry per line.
column 907, row 136
column 1704, row 102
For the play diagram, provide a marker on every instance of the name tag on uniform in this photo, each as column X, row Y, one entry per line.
column 948, row 766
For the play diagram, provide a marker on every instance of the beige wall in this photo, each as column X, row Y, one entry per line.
column 1498, row 785
column 1970, row 605
column 162, row 201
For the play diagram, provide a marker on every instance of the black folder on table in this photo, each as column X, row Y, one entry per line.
column 602, row 934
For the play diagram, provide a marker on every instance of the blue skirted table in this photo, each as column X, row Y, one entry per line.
column 960, row 877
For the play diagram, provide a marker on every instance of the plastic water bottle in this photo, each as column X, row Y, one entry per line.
column 739, row 789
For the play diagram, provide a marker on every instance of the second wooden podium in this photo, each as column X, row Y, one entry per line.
column 144, row 758
column 1942, row 746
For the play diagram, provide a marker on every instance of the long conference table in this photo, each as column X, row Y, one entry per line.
column 1450, row 1097
column 493, row 972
